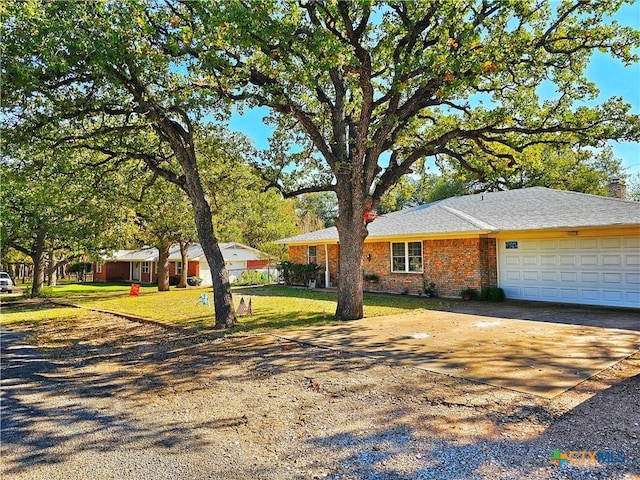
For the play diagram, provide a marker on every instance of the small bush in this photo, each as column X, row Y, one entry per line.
column 194, row 281
column 299, row 273
column 470, row 293
column 429, row 288
column 252, row 278
column 173, row 281
column 371, row 277
column 492, row 294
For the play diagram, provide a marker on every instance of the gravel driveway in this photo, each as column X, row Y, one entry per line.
column 102, row 397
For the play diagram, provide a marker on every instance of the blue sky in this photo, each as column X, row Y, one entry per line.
column 611, row 77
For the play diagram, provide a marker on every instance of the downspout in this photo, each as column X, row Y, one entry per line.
column 327, row 277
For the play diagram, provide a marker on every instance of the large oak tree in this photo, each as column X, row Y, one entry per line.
column 101, row 76
column 369, row 88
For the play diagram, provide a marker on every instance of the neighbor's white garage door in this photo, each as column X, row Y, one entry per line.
column 593, row 271
column 205, row 274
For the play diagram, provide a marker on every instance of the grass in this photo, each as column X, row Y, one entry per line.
column 275, row 307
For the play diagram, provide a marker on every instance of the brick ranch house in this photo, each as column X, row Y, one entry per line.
column 535, row 243
column 141, row 265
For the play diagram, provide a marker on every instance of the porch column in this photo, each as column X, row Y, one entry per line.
column 131, row 271
column 327, row 277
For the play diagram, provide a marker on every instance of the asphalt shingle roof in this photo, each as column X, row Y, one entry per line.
column 534, row 208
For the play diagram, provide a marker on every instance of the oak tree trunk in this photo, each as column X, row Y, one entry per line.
column 351, row 235
column 184, row 253
column 163, row 267
column 52, row 269
column 38, row 256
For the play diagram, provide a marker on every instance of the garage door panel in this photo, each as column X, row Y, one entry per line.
column 613, row 295
column 548, row 276
column 548, row 292
column 587, row 243
column 633, row 278
column 569, row 293
column 591, row 295
column 611, row 260
column 632, row 243
column 603, row 271
column 589, row 277
column 615, row 278
column 564, row 244
column 588, row 260
column 548, row 260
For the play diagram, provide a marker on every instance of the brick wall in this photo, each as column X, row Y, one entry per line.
column 451, row 264
column 298, row 254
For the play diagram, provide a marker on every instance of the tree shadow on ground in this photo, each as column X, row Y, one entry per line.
column 425, row 448
column 90, row 378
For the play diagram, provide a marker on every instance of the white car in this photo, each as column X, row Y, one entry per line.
column 6, row 285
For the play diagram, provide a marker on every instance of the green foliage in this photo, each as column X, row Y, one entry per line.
column 322, row 206
column 78, row 267
column 371, row 277
column 492, row 294
column 298, row 273
column 429, row 288
column 194, row 281
column 469, row 293
column 553, row 166
column 252, row 278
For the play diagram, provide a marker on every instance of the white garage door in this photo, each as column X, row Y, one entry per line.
column 205, row 274
column 593, row 271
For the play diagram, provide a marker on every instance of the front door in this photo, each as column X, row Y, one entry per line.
column 135, row 271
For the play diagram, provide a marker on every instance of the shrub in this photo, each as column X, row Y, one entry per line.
column 79, row 267
column 492, row 294
column 429, row 288
column 371, row 277
column 173, row 281
column 194, row 281
column 299, row 273
column 470, row 293
column 252, row 278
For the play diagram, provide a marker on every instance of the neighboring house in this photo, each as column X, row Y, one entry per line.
column 141, row 265
column 536, row 243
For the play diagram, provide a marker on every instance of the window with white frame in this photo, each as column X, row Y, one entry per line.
column 406, row 257
column 99, row 267
column 312, row 254
column 178, row 267
column 145, row 267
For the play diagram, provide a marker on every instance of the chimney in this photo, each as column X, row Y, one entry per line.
column 617, row 189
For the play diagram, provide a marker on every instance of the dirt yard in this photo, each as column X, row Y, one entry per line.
column 108, row 398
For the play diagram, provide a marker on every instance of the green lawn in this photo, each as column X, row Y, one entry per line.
column 274, row 307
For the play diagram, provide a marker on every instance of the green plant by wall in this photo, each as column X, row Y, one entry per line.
column 469, row 293
column 252, row 278
column 194, row 281
column 492, row 294
column 429, row 288
column 299, row 273
column 371, row 277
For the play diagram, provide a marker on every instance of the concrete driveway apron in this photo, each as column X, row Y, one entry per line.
column 536, row 357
